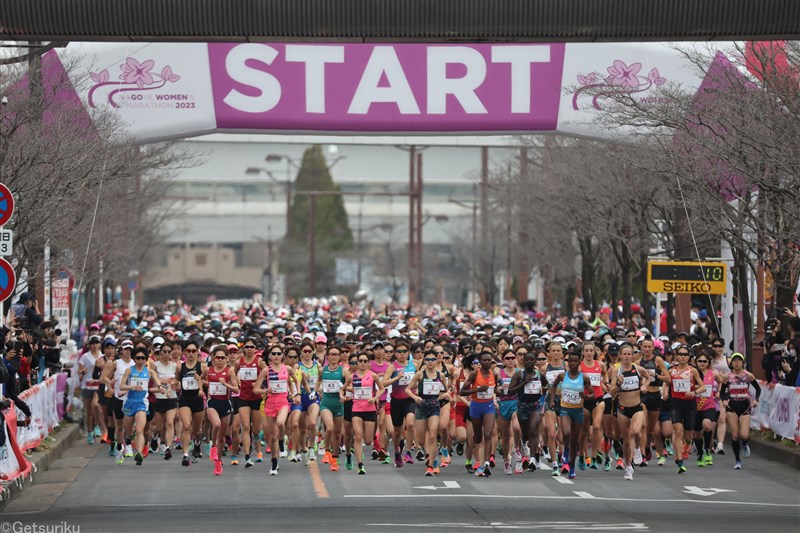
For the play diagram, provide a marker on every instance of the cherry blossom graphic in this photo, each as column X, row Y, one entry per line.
column 621, row 77
column 135, row 76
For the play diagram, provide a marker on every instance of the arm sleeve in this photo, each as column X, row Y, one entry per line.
column 757, row 387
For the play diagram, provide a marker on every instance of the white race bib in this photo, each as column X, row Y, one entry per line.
column 552, row 375
column 92, row 384
column 706, row 393
column 595, row 379
column 681, row 385
column 630, row 383
column 570, row 396
column 189, row 383
column 362, row 393
column 431, row 388
column 740, row 391
column 406, row 378
column 140, row 382
column 487, row 395
column 312, row 381
column 331, row 385
column 216, row 388
column 248, row 373
column 533, row 387
column 279, row 386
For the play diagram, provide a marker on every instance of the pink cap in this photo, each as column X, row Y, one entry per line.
column 321, row 338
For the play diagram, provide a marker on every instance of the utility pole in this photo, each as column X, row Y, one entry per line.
column 484, row 271
column 523, row 276
column 412, row 232
column 418, row 256
column 312, row 238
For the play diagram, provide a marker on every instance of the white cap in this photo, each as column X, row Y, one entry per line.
column 158, row 340
column 393, row 334
column 208, row 336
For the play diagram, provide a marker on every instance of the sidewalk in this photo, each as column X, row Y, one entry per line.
column 774, row 451
column 50, row 451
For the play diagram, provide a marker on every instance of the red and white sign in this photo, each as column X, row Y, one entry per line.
column 6, row 204
column 61, row 291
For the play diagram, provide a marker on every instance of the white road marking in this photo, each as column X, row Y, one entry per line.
column 584, row 494
column 563, row 480
column 447, row 485
column 556, row 526
column 598, row 498
column 697, row 491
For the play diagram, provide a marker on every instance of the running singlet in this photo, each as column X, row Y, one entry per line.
column 502, row 389
column 216, row 390
column 312, row 375
column 739, row 388
column 278, row 381
column 166, row 374
column 551, row 374
column 708, row 399
column 681, row 383
column 362, row 392
column 429, row 388
column 332, row 381
column 532, row 391
column 484, row 381
column 138, row 378
column 630, row 380
column 190, row 381
column 380, row 369
column 571, row 389
column 650, row 366
column 399, row 388
column 595, row 374
column 119, row 371
column 248, row 373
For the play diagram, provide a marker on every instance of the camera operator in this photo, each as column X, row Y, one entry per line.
column 27, row 310
column 8, row 374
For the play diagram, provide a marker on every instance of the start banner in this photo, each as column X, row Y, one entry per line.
column 778, row 410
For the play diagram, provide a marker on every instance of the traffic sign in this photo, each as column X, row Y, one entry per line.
column 6, row 204
column 6, row 242
column 686, row 277
column 8, row 280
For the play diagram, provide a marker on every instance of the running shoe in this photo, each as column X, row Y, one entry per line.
column 383, row 456
column 167, row 454
column 479, row 472
column 670, row 449
column 468, row 466
column 436, row 470
column 259, row 457
column 407, row 458
column 662, row 460
column 564, row 468
column 120, row 456
column 619, row 464
column 628, row 473
column 186, row 461
column 362, row 471
column 581, row 463
column 398, row 461
column 154, row 445
column 546, row 453
column 518, row 467
column 681, row 469
column 312, row 455
column 217, row 467
column 428, row 472
column 326, row 459
column 607, row 464
column 532, row 466
column 348, row 462
column 284, row 453
column 701, row 462
column 445, row 451
column 112, row 449
column 420, row 455
column 97, row 432
column 460, row 448
column 128, row 450
column 274, row 471
column 248, row 463
column 526, row 461
column 708, row 459
column 491, row 461
column 526, row 451
column 572, row 472
column 637, row 456
column 487, row 469
column 374, row 454
column 738, row 465
column 146, row 451
column 556, row 472
column 648, row 454
column 719, row 449
column 507, row 468
column 90, row 438
column 293, row 456
column 213, row 454
column 334, row 465
column 139, row 459
column 234, row 460
column 745, row 450
column 161, row 449
column 386, row 460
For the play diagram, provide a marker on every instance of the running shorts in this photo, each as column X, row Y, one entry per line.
column 194, row 404
column 162, row 405
column 507, row 409
column 401, row 407
column 334, row 406
column 222, row 407
column 427, row 409
column 629, row 411
column 479, row 409
column 574, row 413
column 684, row 412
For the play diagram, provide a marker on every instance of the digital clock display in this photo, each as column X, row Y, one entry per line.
column 680, row 272
column 686, row 277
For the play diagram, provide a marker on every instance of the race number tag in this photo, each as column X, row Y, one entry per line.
column 92, row 384
column 189, row 383
column 362, row 393
column 429, row 388
column 552, row 375
column 331, row 385
column 681, row 385
column 533, row 387
column 248, row 373
column 706, row 393
column 312, row 381
column 279, row 386
column 740, row 391
column 216, row 389
column 595, row 379
column 487, row 395
column 406, row 378
column 140, row 382
column 570, row 396
column 630, row 383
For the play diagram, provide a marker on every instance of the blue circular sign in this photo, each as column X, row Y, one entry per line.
column 8, row 280
column 6, row 204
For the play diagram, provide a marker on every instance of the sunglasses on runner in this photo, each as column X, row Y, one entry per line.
column 278, row 353
column 541, row 359
column 401, row 351
column 249, row 347
column 718, row 345
column 509, row 358
column 430, row 359
column 352, row 363
column 140, row 358
column 220, row 357
column 191, row 350
column 308, row 351
column 334, row 354
column 702, row 361
column 363, row 360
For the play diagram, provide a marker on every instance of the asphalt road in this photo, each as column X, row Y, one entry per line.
column 86, row 489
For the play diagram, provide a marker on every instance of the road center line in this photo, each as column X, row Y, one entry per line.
column 564, row 481
column 316, row 479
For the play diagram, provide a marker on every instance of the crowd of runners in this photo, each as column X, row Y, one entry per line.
column 516, row 392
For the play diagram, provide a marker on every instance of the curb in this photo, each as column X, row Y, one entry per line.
column 41, row 461
column 774, row 451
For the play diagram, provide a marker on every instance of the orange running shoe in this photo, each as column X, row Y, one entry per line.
column 334, row 464
column 436, row 470
column 327, row 458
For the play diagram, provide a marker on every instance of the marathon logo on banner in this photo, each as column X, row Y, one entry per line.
column 778, row 410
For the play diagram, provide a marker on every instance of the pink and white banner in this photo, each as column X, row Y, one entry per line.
column 778, row 410
column 165, row 90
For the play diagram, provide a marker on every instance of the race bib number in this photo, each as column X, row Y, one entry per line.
column 487, row 395
column 140, row 382
column 706, row 393
column 429, row 388
column 552, row 375
column 312, row 381
column 740, row 391
column 362, row 393
column 533, row 387
column 630, row 383
column 248, row 373
column 406, row 378
column 595, row 379
column 189, row 383
column 217, row 389
column 92, row 384
column 279, row 386
column 348, row 395
column 331, row 385
column 570, row 396
column 652, row 372
column 681, row 385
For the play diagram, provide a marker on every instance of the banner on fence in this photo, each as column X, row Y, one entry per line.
column 778, row 410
